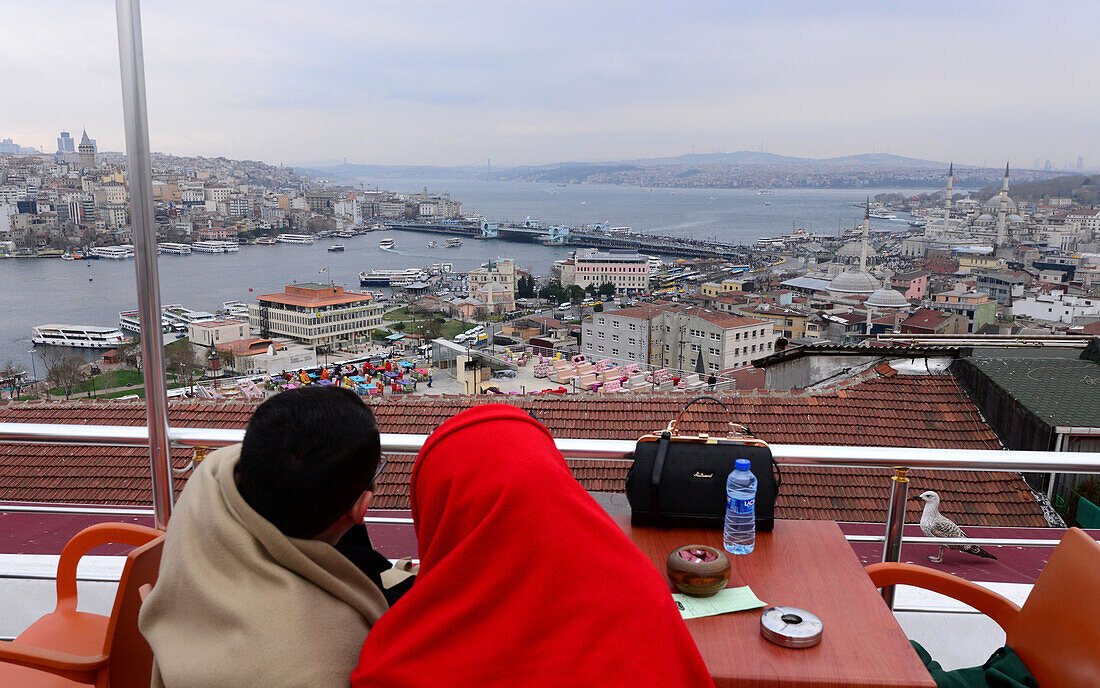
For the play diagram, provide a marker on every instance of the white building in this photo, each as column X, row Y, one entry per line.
column 628, row 271
column 315, row 314
column 1057, row 306
column 211, row 332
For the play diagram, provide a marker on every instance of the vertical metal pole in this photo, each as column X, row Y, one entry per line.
column 132, row 62
column 895, row 524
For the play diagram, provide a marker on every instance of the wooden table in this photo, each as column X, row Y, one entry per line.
column 805, row 564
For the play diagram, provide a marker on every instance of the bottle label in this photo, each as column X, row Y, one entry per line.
column 741, row 506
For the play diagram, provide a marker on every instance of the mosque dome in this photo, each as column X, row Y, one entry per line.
column 984, row 219
column 1014, row 218
column 853, row 282
column 887, row 298
column 994, row 203
column 853, row 250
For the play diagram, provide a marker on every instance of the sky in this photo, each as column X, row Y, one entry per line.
column 457, row 83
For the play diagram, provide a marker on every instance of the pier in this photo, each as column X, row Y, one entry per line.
column 596, row 237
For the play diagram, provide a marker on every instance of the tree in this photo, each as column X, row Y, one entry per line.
column 590, row 290
column 576, row 294
column 551, row 292
column 12, row 377
column 525, row 286
column 129, row 352
column 229, row 360
column 607, row 290
column 65, row 372
column 598, row 308
column 180, row 358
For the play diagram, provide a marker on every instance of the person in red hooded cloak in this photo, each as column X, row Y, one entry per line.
column 524, row 579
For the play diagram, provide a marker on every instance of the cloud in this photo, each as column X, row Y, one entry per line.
column 457, row 82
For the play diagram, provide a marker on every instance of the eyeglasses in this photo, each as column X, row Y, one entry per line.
column 381, row 467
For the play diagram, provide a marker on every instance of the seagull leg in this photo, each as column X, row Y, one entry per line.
column 938, row 558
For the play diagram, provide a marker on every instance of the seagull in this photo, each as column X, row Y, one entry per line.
column 935, row 524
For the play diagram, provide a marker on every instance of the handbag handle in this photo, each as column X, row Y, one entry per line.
column 734, row 427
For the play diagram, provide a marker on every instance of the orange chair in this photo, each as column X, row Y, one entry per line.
column 70, row 648
column 1055, row 633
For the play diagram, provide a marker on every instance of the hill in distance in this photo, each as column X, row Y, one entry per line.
column 1081, row 188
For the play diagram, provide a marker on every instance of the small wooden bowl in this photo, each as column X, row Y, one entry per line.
column 698, row 578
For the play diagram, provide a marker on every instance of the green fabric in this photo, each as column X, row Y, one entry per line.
column 1003, row 670
column 1088, row 514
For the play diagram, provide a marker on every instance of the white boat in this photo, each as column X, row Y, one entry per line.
column 387, row 244
column 120, row 252
column 336, row 248
column 294, row 239
column 393, row 278
column 173, row 318
column 764, row 192
column 235, row 309
column 78, row 336
column 433, row 244
column 265, row 241
column 174, row 249
column 882, row 214
column 208, row 247
column 453, row 242
column 67, row 256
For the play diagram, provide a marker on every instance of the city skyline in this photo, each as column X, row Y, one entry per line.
column 454, row 85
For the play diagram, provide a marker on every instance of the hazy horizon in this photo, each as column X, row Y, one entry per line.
column 452, row 84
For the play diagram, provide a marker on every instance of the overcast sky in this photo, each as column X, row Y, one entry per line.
column 444, row 83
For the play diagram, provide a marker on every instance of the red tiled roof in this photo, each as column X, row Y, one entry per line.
column 925, row 317
column 900, row 410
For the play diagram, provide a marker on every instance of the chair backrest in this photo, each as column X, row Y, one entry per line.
column 1056, row 633
column 131, row 658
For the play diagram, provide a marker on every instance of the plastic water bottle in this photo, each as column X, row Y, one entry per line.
column 740, row 533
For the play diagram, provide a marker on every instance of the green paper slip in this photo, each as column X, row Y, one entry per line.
column 723, row 602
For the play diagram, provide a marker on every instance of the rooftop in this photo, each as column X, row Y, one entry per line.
column 877, row 408
column 1042, row 386
column 312, row 295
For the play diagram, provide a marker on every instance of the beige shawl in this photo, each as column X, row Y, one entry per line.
column 238, row 603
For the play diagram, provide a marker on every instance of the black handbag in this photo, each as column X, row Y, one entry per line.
column 679, row 480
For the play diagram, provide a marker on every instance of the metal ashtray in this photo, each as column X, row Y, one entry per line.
column 790, row 627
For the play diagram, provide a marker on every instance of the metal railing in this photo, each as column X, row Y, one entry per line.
column 900, row 459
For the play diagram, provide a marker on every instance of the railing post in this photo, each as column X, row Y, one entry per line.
column 895, row 524
column 140, row 173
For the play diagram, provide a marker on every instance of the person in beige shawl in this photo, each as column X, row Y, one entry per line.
column 252, row 591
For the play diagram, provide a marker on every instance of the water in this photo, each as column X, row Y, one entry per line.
column 740, row 528
column 41, row 291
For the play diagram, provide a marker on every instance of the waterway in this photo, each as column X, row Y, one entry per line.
column 41, row 291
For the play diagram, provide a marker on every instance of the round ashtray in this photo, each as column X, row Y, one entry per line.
column 790, row 627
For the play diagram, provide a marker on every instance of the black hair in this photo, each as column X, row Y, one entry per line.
column 308, row 454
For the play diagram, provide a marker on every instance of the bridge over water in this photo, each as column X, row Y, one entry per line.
column 594, row 237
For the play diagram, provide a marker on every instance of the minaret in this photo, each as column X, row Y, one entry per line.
column 947, row 201
column 866, row 229
column 1003, row 209
column 87, row 152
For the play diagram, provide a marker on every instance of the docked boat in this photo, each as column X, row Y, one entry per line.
column 453, row 242
column 173, row 318
column 392, row 278
column 78, row 336
column 294, row 239
column 67, row 256
column 335, row 248
column 209, row 246
column 235, row 309
column 433, row 244
column 174, row 249
column 387, row 244
column 882, row 214
column 120, row 252
column 265, row 241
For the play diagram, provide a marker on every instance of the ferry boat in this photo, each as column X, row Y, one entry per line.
column 235, row 309
column 209, row 246
column 174, row 318
column 387, row 244
column 78, row 336
column 453, row 242
column 174, row 249
column 433, row 244
column 336, row 248
column 265, row 241
column 882, row 214
column 392, row 278
column 120, row 252
column 67, row 256
column 764, row 192
column 294, row 239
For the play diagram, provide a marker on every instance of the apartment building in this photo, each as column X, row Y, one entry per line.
column 978, row 309
column 315, row 314
column 677, row 337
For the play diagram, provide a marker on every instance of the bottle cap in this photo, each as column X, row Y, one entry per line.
column 742, row 465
